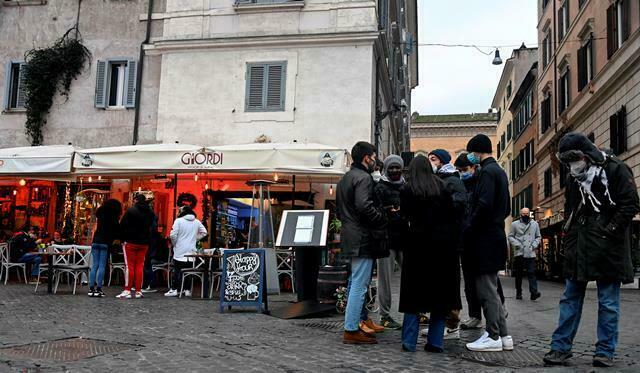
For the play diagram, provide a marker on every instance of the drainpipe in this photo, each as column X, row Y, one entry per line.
column 136, row 120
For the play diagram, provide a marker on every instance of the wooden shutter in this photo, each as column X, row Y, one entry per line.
column 560, row 25
column 101, row 85
column 275, row 87
column 624, row 6
column 613, row 133
column 612, row 26
column 622, row 129
column 582, row 67
column 7, row 86
column 21, row 94
column 130, row 88
column 255, row 87
column 545, row 44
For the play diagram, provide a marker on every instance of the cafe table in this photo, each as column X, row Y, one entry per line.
column 51, row 256
column 206, row 259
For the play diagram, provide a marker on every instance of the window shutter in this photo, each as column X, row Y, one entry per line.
column 255, row 86
column 622, row 129
column 7, row 86
column 613, row 133
column 21, row 96
column 101, row 85
column 275, row 87
column 582, row 67
column 611, row 30
column 130, row 87
column 624, row 5
column 567, row 15
column 560, row 24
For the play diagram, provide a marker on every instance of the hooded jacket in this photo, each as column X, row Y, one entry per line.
column 136, row 224
column 186, row 231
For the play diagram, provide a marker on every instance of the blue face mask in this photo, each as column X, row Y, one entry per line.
column 473, row 158
column 466, row 175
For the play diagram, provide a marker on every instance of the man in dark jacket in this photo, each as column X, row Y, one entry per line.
column 20, row 247
column 388, row 194
column 601, row 199
column 362, row 220
column 485, row 242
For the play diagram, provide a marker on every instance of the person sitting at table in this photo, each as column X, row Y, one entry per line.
column 22, row 244
column 186, row 231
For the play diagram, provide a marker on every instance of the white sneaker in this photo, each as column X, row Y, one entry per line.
column 171, row 293
column 507, row 343
column 125, row 294
column 149, row 290
column 451, row 333
column 486, row 344
column 139, row 295
column 187, row 293
column 471, row 323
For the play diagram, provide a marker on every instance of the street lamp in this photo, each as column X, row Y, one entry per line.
column 497, row 60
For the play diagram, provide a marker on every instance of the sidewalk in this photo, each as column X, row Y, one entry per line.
column 168, row 334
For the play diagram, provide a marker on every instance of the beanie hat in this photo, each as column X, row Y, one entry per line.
column 480, row 143
column 393, row 160
column 574, row 145
column 462, row 161
column 442, row 154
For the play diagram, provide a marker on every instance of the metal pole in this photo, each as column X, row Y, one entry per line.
column 260, row 218
column 175, row 196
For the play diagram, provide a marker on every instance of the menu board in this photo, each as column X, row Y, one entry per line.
column 242, row 278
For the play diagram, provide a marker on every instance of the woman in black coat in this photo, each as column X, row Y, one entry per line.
column 429, row 280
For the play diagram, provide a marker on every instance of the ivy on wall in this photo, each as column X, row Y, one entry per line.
column 47, row 71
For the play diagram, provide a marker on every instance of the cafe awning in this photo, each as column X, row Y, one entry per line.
column 36, row 160
column 295, row 158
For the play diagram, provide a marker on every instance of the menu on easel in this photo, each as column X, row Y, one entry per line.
column 242, row 278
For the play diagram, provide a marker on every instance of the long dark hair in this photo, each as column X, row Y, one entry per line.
column 423, row 182
column 113, row 208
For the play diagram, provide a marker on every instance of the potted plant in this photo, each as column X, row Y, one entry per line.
column 335, row 226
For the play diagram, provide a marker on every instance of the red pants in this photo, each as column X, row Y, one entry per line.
column 134, row 258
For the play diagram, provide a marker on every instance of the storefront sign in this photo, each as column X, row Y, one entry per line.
column 202, row 159
column 242, row 278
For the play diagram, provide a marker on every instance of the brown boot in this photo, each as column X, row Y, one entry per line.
column 373, row 326
column 358, row 337
column 367, row 330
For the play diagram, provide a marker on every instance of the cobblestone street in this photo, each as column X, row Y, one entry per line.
column 157, row 334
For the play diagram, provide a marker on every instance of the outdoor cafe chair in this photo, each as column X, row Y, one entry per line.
column 164, row 267
column 7, row 264
column 79, row 265
column 199, row 270
column 285, row 259
column 60, row 260
column 116, row 266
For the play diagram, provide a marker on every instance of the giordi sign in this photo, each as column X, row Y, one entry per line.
column 202, row 159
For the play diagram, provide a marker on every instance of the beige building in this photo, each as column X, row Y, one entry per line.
column 589, row 81
column 450, row 132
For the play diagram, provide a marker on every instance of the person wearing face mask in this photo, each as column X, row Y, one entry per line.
column 388, row 194
column 377, row 171
column 524, row 238
column 485, row 242
column 601, row 199
column 362, row 222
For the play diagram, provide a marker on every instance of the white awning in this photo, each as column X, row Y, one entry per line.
column 35, row 160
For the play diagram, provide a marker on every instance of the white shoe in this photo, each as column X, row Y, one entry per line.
column 149, row 290
column 451, row 333
column 125, row 294
column 507, row 343
column 486, row 344
column 424, row 332
column 139, row 295
column 171, row 293
column 187, row 293
column 471, row 323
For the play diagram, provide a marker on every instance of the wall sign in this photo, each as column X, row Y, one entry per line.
column 242, row 278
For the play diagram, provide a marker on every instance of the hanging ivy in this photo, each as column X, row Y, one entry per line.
column 47, row 71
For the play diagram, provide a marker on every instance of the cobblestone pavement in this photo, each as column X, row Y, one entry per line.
column 160, row 334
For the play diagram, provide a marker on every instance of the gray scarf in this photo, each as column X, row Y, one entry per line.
column 585, row 180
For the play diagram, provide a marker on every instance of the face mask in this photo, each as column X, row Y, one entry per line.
column 376, row 175
column 434, row 168
column 394, row 175
column 576, row 168
column 525, row 219
column 473, row 158
column 466, row 175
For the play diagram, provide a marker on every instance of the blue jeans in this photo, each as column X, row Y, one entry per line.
column 571, row 310
column 99, row 253
column 411, row 328
column 32, row 258
column 358, row 283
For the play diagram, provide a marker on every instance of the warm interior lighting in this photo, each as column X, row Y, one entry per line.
column 275, row 177
column 15, row 192
column 331, row 190
column 35, row 189
column 90, row 179
column 139, row 189
column 99, row 177
column 195, row 177
column 22, row 182
column 206, row 186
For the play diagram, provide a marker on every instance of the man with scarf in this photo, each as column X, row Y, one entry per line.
column 440, row 162
column 601, row 199
column 388, row 194
column 524, row 238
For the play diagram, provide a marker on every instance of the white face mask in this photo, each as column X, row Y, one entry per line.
column 576, row 168
column 434, row 168
column 376, row 175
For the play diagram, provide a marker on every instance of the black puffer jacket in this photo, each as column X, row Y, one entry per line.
column 597, row 244
column 136, row 224
column 108, row 228
column 388, row 194
column 363, row 221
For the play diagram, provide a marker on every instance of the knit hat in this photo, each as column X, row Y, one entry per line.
column 574, row 145
column 442, row 154
column 480, row 143
column 393, row 160
column 462, row 161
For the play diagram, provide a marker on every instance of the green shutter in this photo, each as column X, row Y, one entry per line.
column 21, row 96
column 275, row 87
column 101, row 85
column 130, row 84
column 255, row 87
column 7, row 86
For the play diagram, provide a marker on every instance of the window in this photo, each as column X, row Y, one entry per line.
column 585, row 63
column 522, row 200
column 383, row 9
column 563, row 91
column 581, row 3
column 503, row 140
column 617, row 25
column 523, row 113
column 498, row 149
column 546, row 114
column 116, row 83
column 563, row 20
column 509, row 131
column 563, row 175
column 548, row 180
column 14, row 97
column 265, row 86
column 509, row 89
column 618, row 131
column 546, row 50
column 544, row 3
column 242, row 2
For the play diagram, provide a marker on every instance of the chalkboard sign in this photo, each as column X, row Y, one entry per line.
column 242, row 278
